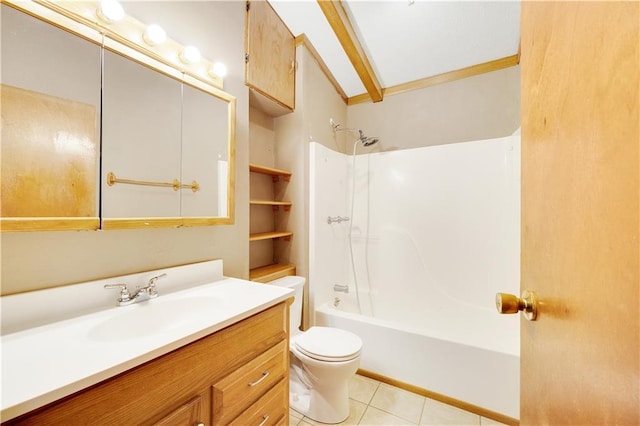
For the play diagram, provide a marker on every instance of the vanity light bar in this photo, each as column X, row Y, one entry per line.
column 130, row 37
column 110, row 11
column 154, row 35
column 219, row 69
column 190, row 55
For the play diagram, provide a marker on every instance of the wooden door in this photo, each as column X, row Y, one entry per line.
column 580, row 221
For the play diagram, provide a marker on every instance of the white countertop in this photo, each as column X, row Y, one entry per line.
column 47, row 362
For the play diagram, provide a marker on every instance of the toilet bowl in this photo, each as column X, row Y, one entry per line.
column 323, row 359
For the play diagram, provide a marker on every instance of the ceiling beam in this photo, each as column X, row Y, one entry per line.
column 339, row 20
column 485, row 67
column 303, row 40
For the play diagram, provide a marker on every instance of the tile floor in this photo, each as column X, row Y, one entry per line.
column 375, row 403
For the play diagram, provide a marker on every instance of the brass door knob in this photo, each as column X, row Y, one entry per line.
column 510, row 304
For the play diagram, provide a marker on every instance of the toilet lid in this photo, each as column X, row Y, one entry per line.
column 329, row 344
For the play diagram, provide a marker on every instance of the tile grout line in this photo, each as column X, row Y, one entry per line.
column 374, row 393
column 424, row 404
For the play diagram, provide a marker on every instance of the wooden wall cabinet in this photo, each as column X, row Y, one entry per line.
column 270, row 59
column 279, row 267
column 238, row 375
column 50, row 126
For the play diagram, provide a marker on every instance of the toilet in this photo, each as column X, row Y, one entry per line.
column 322, row 361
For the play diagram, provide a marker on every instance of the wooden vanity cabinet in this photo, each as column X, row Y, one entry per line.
column 236, row 375
column 190, row 413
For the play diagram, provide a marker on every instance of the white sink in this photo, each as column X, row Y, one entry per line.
column 153, row 316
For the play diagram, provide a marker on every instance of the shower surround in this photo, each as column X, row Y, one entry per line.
column 435, row 234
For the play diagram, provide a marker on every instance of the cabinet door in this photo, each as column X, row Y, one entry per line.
column 50, row 92
column 141, row 139
column 204, row 154
column 187, row 414
column 271, row 51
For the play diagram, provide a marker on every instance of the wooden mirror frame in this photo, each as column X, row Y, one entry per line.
column 78, row 18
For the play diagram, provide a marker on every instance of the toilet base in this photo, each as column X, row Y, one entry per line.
column 330, row 406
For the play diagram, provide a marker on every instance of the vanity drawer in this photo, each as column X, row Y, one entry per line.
column 242, row 387
column 271, row 409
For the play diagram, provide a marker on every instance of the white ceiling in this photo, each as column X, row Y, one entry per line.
column 406, row 42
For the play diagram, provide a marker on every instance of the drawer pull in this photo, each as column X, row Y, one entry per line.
column 264, row 376
column 264, row 420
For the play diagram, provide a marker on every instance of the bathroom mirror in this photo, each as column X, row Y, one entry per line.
column 160, row 139
column 50, row 91
column 165, row 149
column 141, row 121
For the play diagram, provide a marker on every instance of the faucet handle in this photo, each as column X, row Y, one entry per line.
column 152, row 280
column 151, row 286
column 125, row 296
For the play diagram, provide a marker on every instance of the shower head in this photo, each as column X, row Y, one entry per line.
column 370, row 141
column 367, row 141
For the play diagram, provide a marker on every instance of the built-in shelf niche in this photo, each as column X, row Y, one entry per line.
column 271, row 272
column 279, row 268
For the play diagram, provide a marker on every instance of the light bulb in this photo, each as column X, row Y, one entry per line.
column 110, row 11
column 190, row 55
column 154, row 34
column 218, row 69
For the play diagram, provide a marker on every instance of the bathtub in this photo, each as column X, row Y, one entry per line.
column 433, row 235
column 439, row 362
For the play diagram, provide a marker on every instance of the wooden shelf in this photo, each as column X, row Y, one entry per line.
column 270, row 235
column 275, row 205
column 274, row 173
column 271, row 272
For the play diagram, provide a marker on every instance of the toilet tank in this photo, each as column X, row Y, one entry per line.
column 295, row 313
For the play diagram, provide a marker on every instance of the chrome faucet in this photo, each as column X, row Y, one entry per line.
column 126, row 298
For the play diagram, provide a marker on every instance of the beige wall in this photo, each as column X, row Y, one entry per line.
column 476, row 108
column 480, row 107
column 316, row 103
column 262, row 138
column 47, row 259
